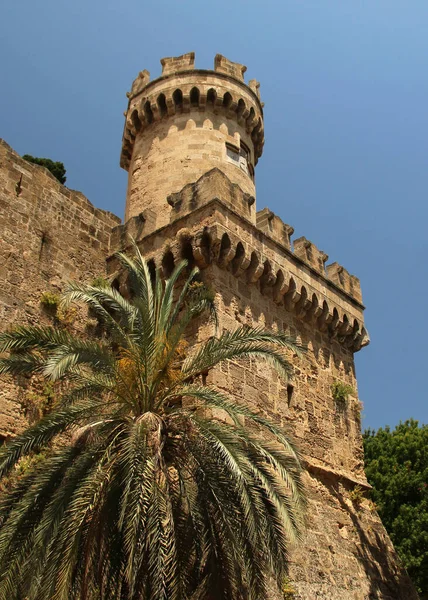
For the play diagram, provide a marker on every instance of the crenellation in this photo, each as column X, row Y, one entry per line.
column 341, row 277
column 273, row 226
column 183, row 124
column 222, row 239
column 254, row 85
column 176, row 64
column 308, row 252
column 228, row 67
column 139, row 83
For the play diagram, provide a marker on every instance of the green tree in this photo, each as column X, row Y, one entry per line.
column 164, row 488
column 56, row 168
column 397, row 468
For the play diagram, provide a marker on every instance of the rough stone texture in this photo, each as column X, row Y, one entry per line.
column 346, row 553
column 206, row 213
column 175, row 64
column 49, row 235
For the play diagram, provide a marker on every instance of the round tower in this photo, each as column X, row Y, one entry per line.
column 185, row 123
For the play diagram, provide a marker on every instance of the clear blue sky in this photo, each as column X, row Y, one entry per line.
column 345, row 84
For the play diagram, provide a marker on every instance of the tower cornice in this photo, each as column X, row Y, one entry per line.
column 182, row 88
column 199, row 73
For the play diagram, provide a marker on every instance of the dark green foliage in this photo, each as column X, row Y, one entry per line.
column 397, row 468
column 162, row 488
column 56, row 168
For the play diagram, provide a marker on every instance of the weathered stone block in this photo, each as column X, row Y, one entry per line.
column 308, row 252
column 176, row 64
column 226, row 66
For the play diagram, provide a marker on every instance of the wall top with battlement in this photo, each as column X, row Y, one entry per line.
column 182, row 88
column 175, row 65
column 294, row 273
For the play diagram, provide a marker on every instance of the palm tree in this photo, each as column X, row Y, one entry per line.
column 142, row 493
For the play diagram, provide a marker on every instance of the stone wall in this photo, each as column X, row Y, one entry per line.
column 346, row 553
column 327, row 431
column 49, row 235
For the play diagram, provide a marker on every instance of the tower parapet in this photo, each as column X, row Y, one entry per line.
column 185, row 123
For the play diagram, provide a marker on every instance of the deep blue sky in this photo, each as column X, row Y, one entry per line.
column 345, row 84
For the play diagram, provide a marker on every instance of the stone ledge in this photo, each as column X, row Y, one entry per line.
column 323, row 471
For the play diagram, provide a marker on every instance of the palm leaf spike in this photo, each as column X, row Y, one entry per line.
column 149, row 497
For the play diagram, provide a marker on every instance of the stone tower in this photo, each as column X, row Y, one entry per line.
column 185, row 123
column 191, row 141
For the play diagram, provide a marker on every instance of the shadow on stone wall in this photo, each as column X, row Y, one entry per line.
column 376, row 553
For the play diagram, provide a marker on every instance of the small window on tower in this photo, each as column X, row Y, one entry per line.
column 244, row 158
column 241, row 157
column 232, row 152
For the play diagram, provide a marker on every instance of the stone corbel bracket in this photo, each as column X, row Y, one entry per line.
column 215, row 244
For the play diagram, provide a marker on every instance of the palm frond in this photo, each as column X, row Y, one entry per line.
column 40, row 434
column 242, row 343
column 212, row 398
column 141, row 495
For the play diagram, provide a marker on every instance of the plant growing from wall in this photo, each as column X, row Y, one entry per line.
column 288, row 590
column 39, row 402
column 356, row 496
column 50, row 301
column 66, row 315
column 22, row 468
column 100, row 282
column 341, row 391
column 148, row 495
column 56, row 168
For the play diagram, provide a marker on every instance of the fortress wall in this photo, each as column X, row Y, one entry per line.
column 255, row 289
column 189, row 197
column 49, row 235
column 325, row 430
column 346, row 553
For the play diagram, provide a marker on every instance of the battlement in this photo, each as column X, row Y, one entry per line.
column 174, row 65
column 226, row 66
column 345, row 280
column 272, row 225
column 310, row 254
column 293, row 274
